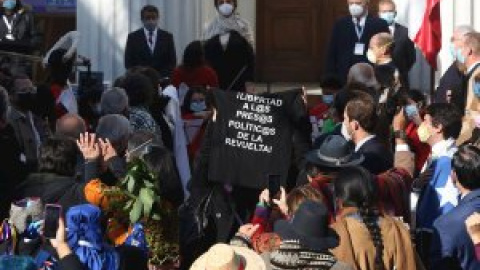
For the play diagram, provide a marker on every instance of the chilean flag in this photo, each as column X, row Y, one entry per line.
column 427, row 34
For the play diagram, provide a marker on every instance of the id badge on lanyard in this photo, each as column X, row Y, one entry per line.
column 359, row 46
column 9, row 25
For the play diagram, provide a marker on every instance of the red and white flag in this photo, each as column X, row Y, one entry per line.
column 426, row 28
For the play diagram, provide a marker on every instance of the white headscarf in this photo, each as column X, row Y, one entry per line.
column 222, row 25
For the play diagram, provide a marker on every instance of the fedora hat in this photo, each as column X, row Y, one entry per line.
column 335, row 152
column 309, row 226
column 226, row 257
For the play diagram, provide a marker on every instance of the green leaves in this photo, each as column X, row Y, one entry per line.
column 147, row 196
column 136, row 211
column 141, row 200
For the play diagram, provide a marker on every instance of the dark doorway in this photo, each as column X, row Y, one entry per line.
column 292, row 37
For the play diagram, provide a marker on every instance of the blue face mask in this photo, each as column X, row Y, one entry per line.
column 389, row 17
column 328, row 99
column 476, row 89
column 411, row 111
column 453, row 51
column 198, row 106
column 9, row 4
column 460, row 58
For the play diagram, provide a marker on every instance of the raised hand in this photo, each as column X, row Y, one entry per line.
column 88, row 146
column 282, row 202
column 108, row 151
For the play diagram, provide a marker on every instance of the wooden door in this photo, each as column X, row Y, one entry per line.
column 292, row 38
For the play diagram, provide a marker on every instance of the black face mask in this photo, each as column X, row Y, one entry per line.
column 26, row 102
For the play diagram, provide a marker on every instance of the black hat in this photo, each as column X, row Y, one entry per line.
column 310, row 227
column 335, row 152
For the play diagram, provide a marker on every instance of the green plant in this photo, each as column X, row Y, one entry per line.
column 137, row 195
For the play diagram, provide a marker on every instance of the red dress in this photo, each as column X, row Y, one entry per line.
column 202, row 76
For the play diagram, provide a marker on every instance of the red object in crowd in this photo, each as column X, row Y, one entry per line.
column 194, row 146
column 421, row 150
column 203, row 76
column 320, row 111
column 56, row 91
column 429, row 37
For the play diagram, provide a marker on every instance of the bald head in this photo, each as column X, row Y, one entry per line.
column 363, row 74
column 71, row 126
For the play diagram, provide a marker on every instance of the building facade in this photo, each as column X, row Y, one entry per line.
column 105, row 25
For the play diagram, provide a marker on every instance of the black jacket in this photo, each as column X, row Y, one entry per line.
column 137, row 52
column 12, row 170
column 342, row 44
column 404, row 54
column 24, row 32
column 378, row 158
column 229, row 63
column 53, row 189
column 452, row 80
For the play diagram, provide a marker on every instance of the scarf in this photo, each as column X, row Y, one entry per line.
column 222, row 25
column 291, row 255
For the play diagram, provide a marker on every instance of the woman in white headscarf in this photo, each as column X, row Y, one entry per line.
column 229, row 47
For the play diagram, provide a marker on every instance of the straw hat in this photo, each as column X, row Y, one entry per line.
column 225, row 257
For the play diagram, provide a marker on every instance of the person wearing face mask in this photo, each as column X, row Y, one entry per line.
column 195, row 114
column 468, row 55
column 380, row 55
column 359, row 124
column 229, row 47
column 30, row 130
column 434, row 194
column 350, row 38
column 151, row 46
column 404, row 55
column 451, row 81
column 17, row 25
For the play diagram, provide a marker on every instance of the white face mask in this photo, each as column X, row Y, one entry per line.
column 226, row 9
column 371, row 56
column 345, row 133
column 356, row 10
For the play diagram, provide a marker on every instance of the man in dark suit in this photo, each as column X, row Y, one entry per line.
column 359, row 123
column 404, row 55
column 350, row 38
column 451, row 246
column 150, row 46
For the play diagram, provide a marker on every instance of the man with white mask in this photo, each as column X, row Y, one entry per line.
column 350, row 38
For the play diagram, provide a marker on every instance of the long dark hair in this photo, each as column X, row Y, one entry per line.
column 356, row 187
column 194, row 55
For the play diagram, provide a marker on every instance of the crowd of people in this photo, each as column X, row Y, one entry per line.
column 380, row 177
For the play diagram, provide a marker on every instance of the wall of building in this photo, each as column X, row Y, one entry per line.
column 105, row 25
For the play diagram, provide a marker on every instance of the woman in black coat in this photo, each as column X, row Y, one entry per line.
column 229, row 47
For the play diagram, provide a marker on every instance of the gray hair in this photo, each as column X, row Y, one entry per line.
column 462, row 30
column 364, row 74
column 116, row 128
column 114, row 101
column 4, row 103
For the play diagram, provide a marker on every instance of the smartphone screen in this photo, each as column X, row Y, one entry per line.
column 273, row 185
column 52, row 215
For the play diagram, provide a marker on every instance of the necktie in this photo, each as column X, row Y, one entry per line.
column 359, row 27
column 150, row 39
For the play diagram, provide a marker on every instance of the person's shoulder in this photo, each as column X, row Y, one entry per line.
column 343, row 21
column 164, row 33
column 136, row 33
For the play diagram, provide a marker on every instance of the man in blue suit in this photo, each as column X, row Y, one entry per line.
column 350, row 38
column 451, row 246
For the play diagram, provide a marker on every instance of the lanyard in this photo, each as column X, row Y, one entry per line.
column 359, row 29
column 8, row 24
